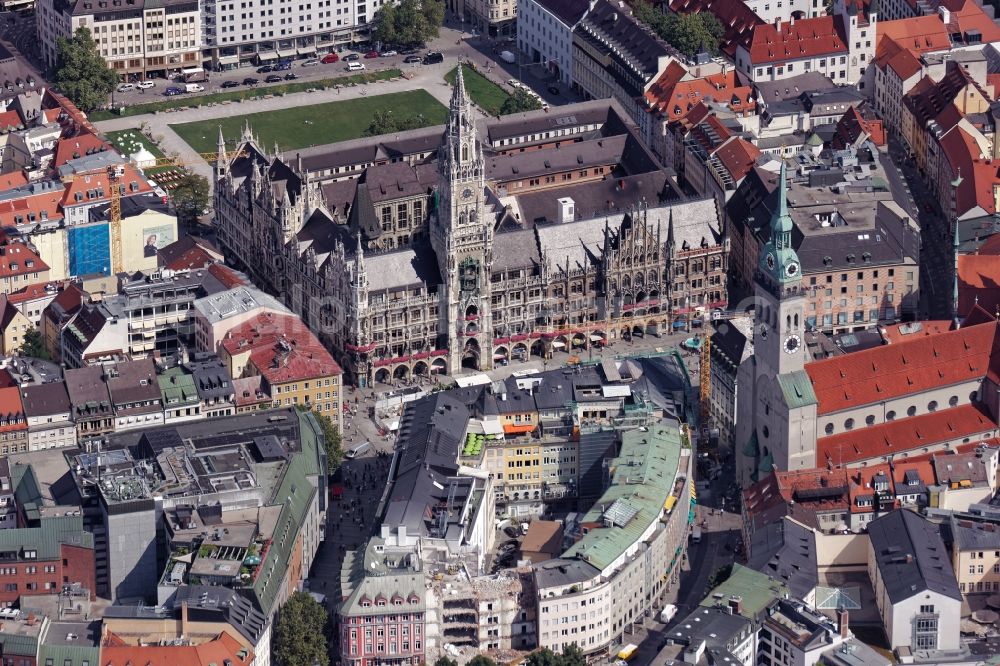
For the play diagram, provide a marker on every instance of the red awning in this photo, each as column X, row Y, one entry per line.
column 513, row 429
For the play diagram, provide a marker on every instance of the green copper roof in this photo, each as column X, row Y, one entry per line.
column 295, row 493
column 73, row 655
column 797, row 389
column 814, row 140
column 750, row 449
column 778, row 258
column 46, row 538
column 177, row 387
column 642, row 478
column 766, row 465
column 756, row 589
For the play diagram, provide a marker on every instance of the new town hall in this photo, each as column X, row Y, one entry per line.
column 478, row 243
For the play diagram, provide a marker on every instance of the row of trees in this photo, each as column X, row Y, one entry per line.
column 409, row 23
column 688, row 33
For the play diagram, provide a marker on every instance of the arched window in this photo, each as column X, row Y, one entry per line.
column 461, row 218
column 849, row 424
column 890, row 415
column 953, row 401
column 829, row 428
column 870, row 420
column 911, row 410
column 932, row 406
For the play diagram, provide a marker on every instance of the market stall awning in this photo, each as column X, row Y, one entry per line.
column 558, row 345
column 267, row 55
column 596, row 338
column 286, row 53
column 307, row 49
column 229, row 60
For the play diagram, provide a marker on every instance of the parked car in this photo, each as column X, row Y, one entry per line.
column 312, row 62
column 412, row 59
column 330, row 58
column 355, row 66
column 388, row 54
column 290, row 76
column 173, row 90
column 433, row 58
column 250, row 81
column 145, row 85
column 372, row 54
column 283, row 66
column 514, row 83
column 511, row 531
column 351, row 57
column 265, row 69
column 230, row 84
column 273, row 78
column 125, row 87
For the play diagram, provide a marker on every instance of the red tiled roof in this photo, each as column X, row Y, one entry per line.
column 10, row 120
column 249, row 391
column 93, row 187
column 738, row 156
column 907, row 367
column 77, row 146
column 861, row 485
column 11, row 410
column 979, row 176
column 18, row 211
column 894, row 333
column 805, row 38
column 852, row 126
column 676, row 98
column 923, row 468
column 978, row 283
column 187, row 252
column 967, row 16
column 19, row 259
column 33, row 292
column 915, row 35
column 223, row 649
column 780, row 488
column 282, row 348
column 905, row 434
column 227, row 276
column 11, row 180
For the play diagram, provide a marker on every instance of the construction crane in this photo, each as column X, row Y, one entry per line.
column 114, row 173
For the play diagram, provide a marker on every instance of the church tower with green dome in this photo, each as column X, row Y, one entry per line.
column 776, row 405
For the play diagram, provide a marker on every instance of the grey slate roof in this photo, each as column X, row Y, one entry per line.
column 974, row 535
column 87, row 391
column 45, row 399
column 567, row 11
column 515, row 249
column 795, row 562
column 412, row 266
column 911, row 556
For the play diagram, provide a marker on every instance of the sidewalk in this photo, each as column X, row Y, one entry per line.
column 429, row 78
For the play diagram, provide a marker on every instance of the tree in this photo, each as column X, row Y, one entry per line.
column 571, row 656
column 382, row 123
column 190, row 197
column 445, row 661
column 688, row 33
column 481, row 660
column 519, row 101
column 332, row 441
column 409, row 23
column 34, row 345
column 300, row 635
column 81, row 73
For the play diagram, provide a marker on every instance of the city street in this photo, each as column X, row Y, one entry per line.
column 937, row 267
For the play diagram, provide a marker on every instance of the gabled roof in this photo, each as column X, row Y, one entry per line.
column 187, row 252
column 907, row 367
column 91, row 188
column 904, row 434
column 282, row 348
column 568, row 11
column 978, row 283
column 20, row 259
column 805, row 38
column 911, row 557
column 72, row 148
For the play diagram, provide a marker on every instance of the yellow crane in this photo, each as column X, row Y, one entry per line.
column 114, row 173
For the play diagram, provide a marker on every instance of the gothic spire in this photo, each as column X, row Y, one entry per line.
column 221, row 148
column 361, row 260
column 670, row 230
column 458, row 97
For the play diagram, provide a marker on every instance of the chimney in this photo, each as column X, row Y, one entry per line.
column 567, row 211
column 736, row 604
column 909, row 558
column 777, row 24
column 842, row 625
column 791, row 20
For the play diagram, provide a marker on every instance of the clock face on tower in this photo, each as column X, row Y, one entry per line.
column 792, row 343
column 467, row 193
column 792, row 269
column 769, row 260
column 763, row 331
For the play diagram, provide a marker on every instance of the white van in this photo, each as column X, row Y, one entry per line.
column 193, row 88
column 355, row 66
column 125, row 87
column 357, row 450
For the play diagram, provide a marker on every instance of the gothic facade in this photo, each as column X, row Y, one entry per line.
column 411, row 260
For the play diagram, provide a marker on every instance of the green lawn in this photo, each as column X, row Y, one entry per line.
column 488, row 95
column 242, row 93
column 304, row 126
